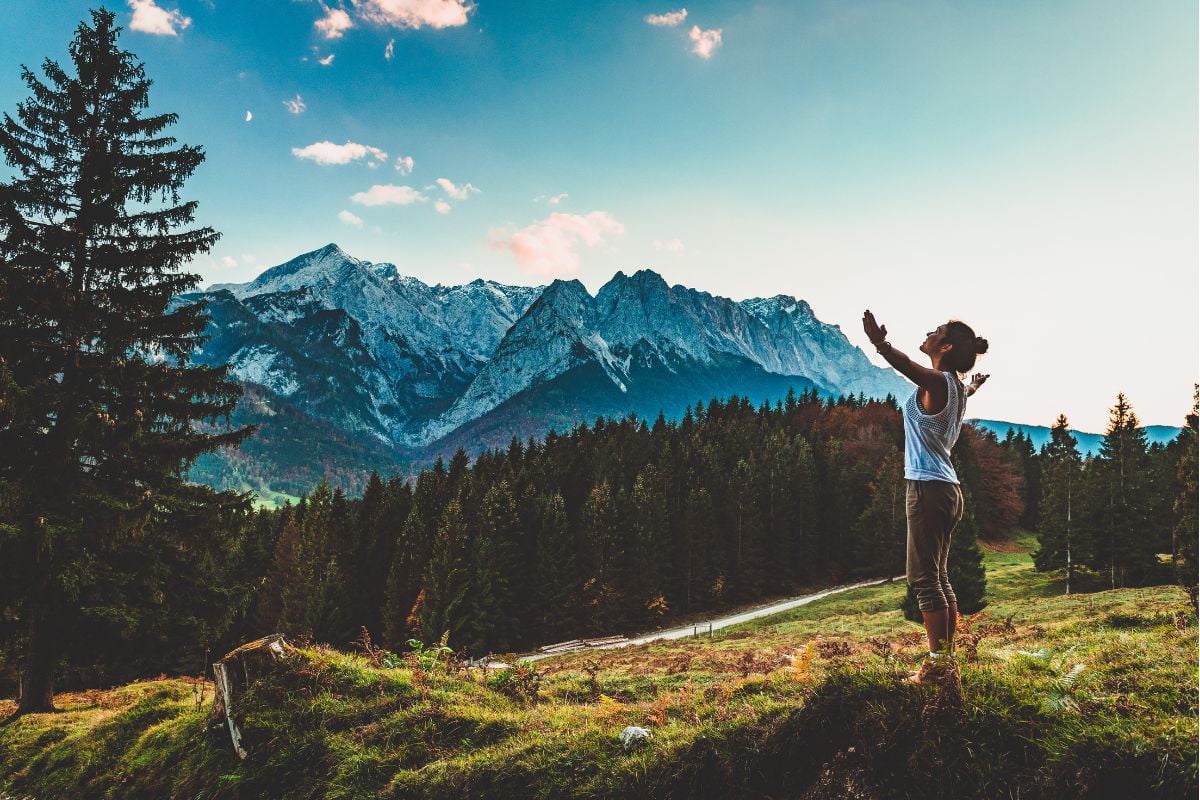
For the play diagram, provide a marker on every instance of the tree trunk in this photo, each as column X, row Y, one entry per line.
column 232, row 674
column 37, row 678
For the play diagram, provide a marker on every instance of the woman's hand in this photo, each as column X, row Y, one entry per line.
column 875, row 332
column 978, row 378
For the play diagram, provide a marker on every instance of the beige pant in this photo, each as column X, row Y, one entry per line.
column 934, row 509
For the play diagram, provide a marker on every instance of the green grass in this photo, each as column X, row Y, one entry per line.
column 727, row 721
column 270, row 499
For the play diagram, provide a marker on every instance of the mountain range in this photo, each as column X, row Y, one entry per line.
column 351, row 366
column 1088, row 444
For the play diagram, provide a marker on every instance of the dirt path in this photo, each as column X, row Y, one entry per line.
column 721, row 622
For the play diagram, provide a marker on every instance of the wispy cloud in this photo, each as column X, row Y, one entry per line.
column 705, row 42
column 441, row 206
column 415, row 13
column 330, row 153
column 326, row 61
column 404, row 164
column 383, row 194
column 335, row 22
column 550, row 247
column 350, row 218
column 295, row 105
column 390, row 50
column 457, row 192
column 669, row 19
column 228, row 261
column 671, row 245
column 550, row 200
column 149, row 18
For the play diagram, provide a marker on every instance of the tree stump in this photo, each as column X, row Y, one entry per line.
column 232, row 674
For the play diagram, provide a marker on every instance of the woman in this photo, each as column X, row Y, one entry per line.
column 933, row 416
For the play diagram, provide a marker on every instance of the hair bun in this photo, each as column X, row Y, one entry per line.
column 981, row 345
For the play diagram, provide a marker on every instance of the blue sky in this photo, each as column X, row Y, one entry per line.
column 1028, row 167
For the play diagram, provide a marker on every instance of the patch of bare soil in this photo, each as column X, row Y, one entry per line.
column 1001, row 546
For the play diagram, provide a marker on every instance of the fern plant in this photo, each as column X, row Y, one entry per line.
column 1061, row 696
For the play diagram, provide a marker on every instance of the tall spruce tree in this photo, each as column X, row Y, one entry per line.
column 92, row 239
column 1123, row 546
column 1057, row 526
column 558, row 569
column 1184, row 534
column 492, row 596
column 880, row 532
column 446, row 577
column 652, row 530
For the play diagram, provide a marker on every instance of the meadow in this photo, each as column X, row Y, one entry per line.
column 1089, row 695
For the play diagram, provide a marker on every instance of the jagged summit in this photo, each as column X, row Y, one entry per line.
column 784, row 303
column 358, row 345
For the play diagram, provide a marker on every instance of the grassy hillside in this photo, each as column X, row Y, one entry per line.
column 807, row 703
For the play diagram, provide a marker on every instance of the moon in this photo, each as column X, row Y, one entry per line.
column 249, row 116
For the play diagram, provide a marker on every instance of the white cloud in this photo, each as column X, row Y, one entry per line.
column 404, row 164
column 247, row 258
column 149, row 18
column 390, row 50
column 335, row 22
column 442, row 206
column 229, row 261
column 705, row 42
column 330, row 153
column 382, row 194
column 350, row 218
column 326, row 61
column 551, row 246
column 415, row 13
column 296, row 105
column 457, row 192
column 249, row 116
column 671, row 245
column 669, row 19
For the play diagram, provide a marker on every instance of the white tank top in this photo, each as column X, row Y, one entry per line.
column 928, row 438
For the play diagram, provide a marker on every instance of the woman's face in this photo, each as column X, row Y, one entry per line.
column 933, row 340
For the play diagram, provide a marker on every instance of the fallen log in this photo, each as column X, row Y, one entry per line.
column 232, row 675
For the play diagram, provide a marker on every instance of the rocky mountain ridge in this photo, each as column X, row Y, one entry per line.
column 361, row 347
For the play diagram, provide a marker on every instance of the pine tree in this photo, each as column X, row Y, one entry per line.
column 282, row 600
column 446, row 577
column 651, row 537
column 410, row 553
column 558, row 570
column 364, row 581
column 92, row 237
column 605, row 542
column 701, row 578
column 1122, row 547
column 1185, row 532
column 880, row 532
column 1058, row 511
column 967, row 575
column 493, row 567
column 748, row 572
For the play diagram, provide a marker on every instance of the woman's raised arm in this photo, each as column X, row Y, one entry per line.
column 927, row 378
